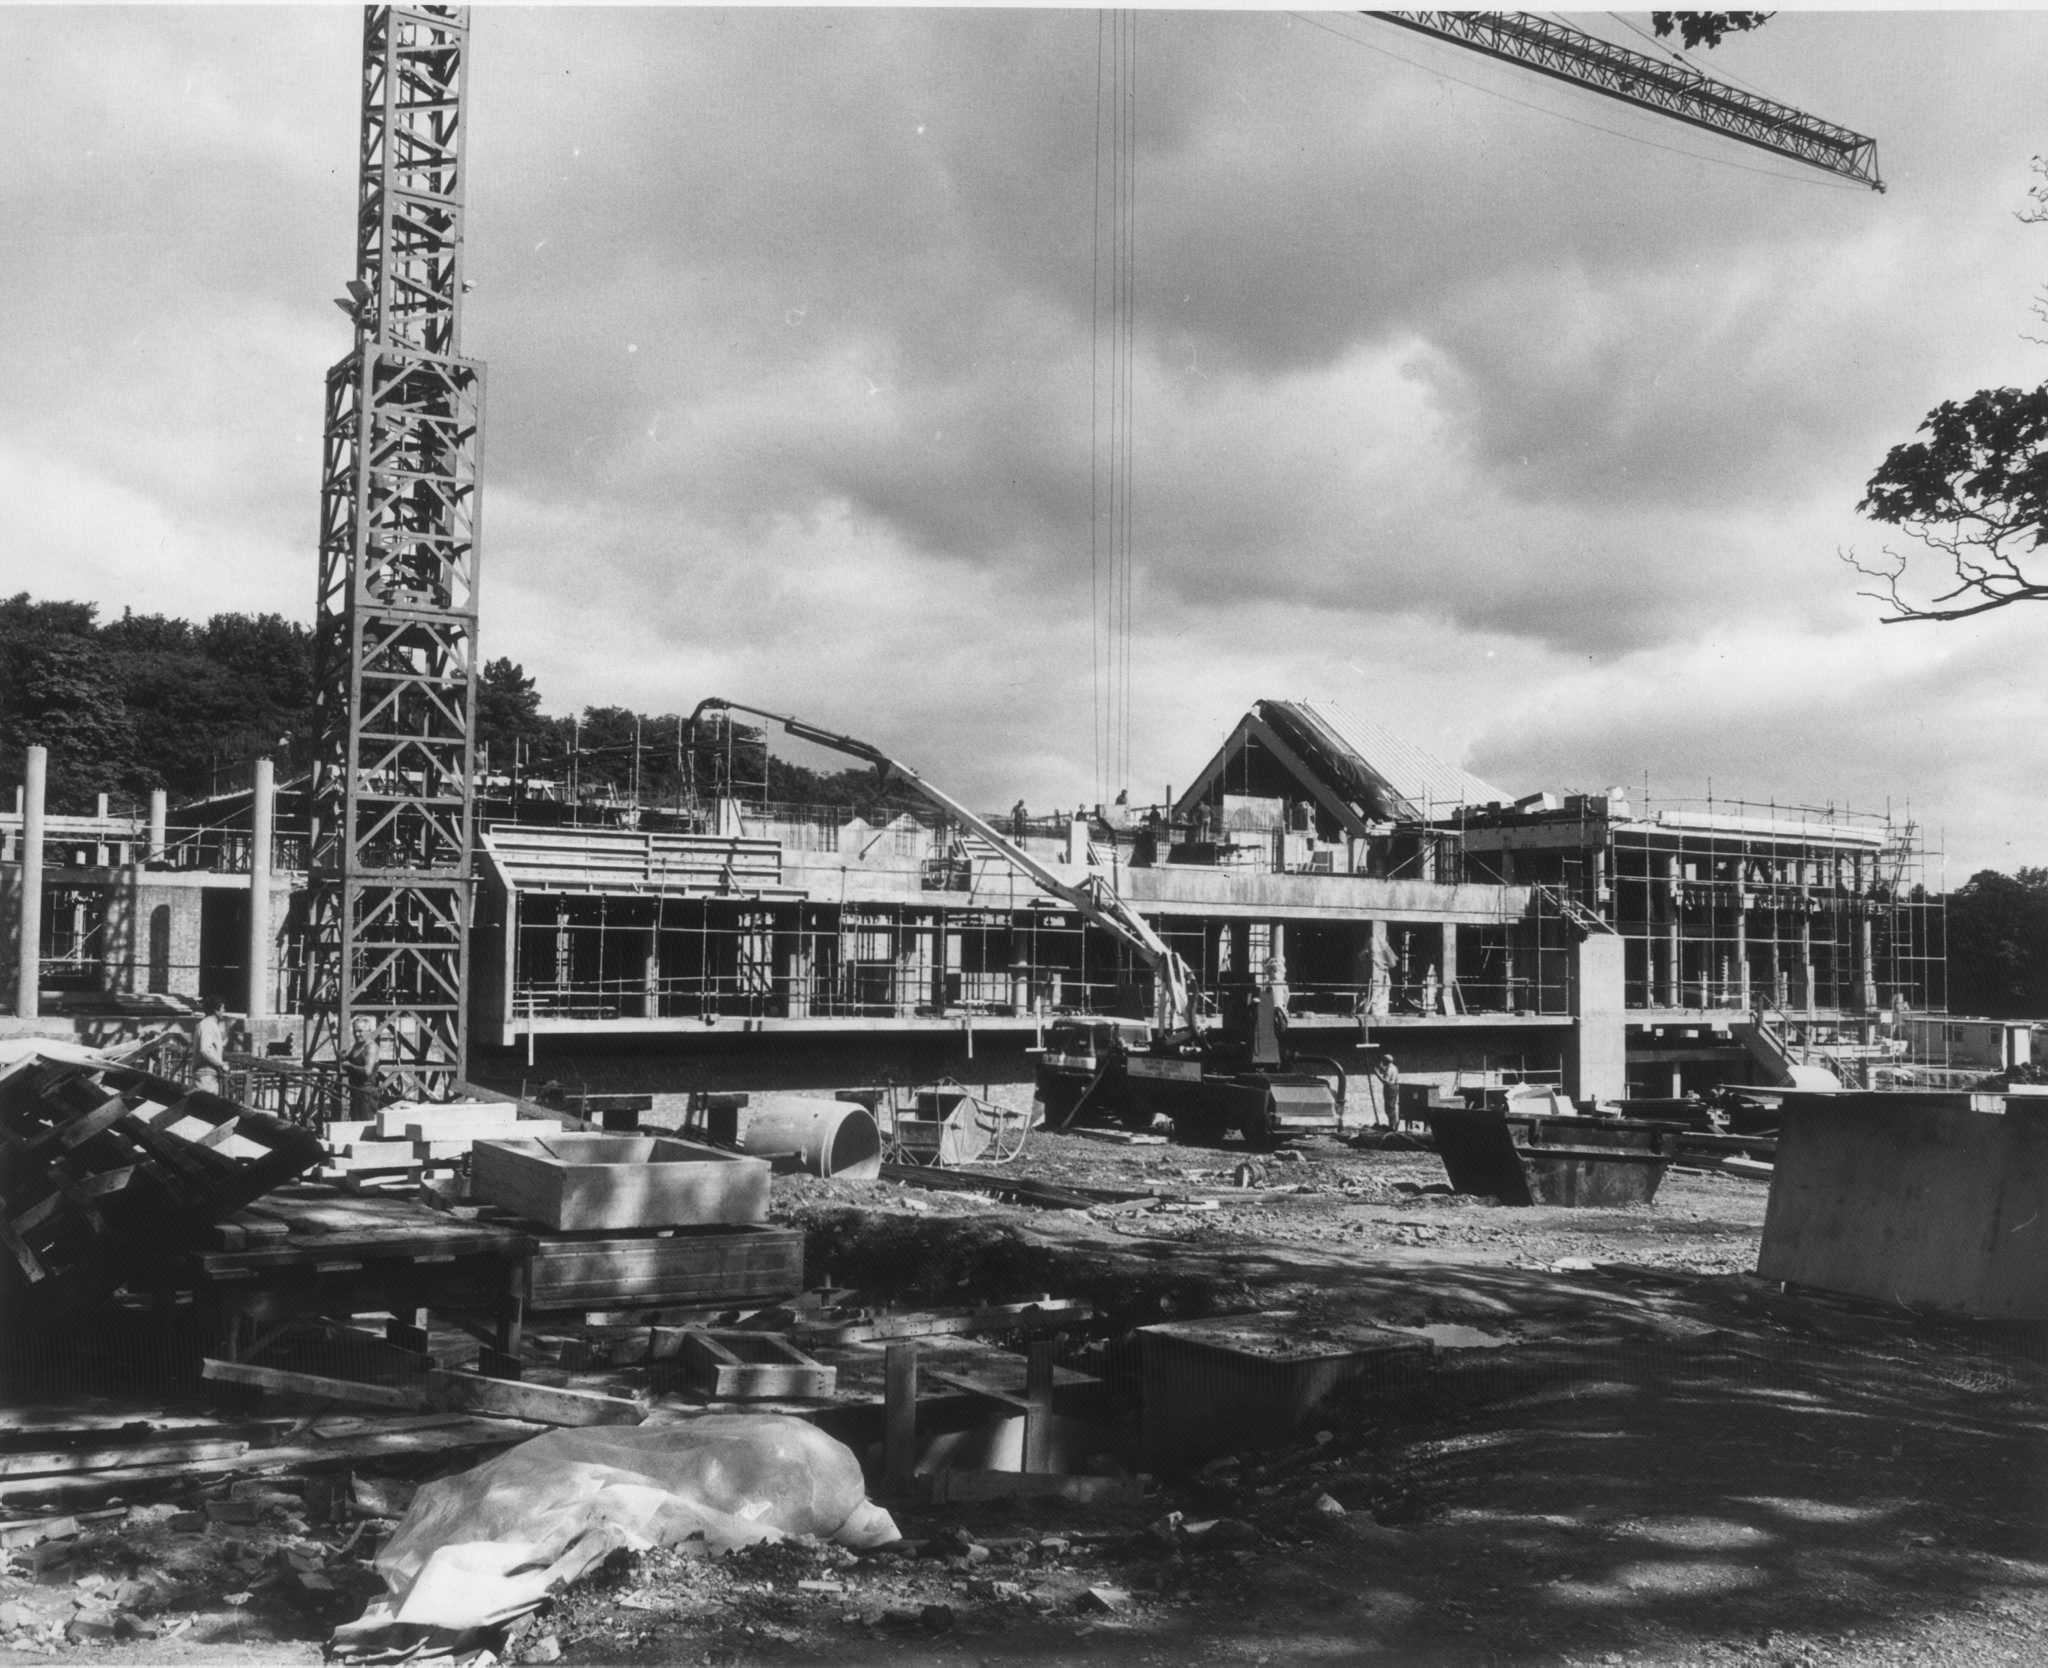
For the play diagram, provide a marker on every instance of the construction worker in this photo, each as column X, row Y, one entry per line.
column 362, row 1068
column 210, row 1047
column 1387, row 1075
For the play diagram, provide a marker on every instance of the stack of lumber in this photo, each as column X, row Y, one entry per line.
column 57, row 1461
column 411, row 1143
column 108, row 1169
column 431, row 1390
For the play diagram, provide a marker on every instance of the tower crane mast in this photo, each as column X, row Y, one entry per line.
column 388, row 907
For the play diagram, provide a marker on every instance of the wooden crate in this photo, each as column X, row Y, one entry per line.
column 752, row 1366
column 581, row 1183
column 705, row 1268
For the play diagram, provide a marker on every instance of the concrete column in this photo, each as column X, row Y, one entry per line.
column 262, row 806
column 159, row 818
column 28, row 965
column 1674, row 963
column 1380, row 994
column 1866, row 964
column 1276, row 951
column 1806, row 949
column 1361, row 970
column 802, row 974
column 1599, row 1056
column 1741, row 947
column 1454, row 1002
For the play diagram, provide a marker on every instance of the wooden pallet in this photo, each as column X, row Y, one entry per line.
column 105, row 1170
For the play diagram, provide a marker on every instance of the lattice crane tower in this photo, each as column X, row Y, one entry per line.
column 396, row 663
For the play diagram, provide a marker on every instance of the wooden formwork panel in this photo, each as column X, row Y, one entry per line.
column 707, row 1269
column 585, row 1183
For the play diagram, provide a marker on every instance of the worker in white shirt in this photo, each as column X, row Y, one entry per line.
column 210, row 1048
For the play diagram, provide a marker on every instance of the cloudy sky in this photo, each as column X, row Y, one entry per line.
column 1527, row 424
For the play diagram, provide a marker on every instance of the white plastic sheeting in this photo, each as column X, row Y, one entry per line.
column 481, row 1547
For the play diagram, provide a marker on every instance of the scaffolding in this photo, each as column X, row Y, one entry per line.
column 646, row 925
column 1802, row 912
column 1806, row 914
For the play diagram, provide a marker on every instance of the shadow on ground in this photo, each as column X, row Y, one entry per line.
column 1661, row 1469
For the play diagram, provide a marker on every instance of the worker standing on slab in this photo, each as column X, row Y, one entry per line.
column 210, row 1048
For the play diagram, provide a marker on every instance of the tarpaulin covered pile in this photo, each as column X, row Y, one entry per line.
column 481, row 1548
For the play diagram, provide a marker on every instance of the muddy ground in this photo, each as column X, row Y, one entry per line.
column 1643, row 1455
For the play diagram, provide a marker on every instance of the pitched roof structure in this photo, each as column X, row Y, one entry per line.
column 1424, row 783
column 1358, row 770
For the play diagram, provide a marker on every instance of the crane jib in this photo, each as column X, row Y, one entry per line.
column 1671, row 89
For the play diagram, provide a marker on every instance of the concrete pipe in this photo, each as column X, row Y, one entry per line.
column 821, row 1137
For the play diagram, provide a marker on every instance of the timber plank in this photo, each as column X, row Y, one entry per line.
column 443, row 1392
column 696, row 1269
column 929, row 1323
column 540, row 1403
column 753, row 1366
column 313, row 1384
column 56, row 1462
column 442, row 1437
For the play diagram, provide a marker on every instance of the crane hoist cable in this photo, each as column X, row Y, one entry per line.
column 1112, row 385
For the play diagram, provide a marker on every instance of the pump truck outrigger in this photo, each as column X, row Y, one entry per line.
column 1237, row 1076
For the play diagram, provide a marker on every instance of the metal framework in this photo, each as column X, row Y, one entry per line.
column 392, row 816
column 1671, row 89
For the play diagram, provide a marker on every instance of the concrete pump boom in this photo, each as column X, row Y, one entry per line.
column 1093, row 898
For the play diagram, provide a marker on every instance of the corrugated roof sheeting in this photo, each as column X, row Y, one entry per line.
column 1405, row 780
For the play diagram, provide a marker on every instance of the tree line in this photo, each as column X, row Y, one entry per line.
column 147, row 701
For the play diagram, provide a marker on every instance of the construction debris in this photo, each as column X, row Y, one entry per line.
column 110, row 1169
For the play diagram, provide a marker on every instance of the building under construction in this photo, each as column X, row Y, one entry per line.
column 1399, row 900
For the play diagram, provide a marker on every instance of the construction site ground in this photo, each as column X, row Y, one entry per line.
column 1631, row 1451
